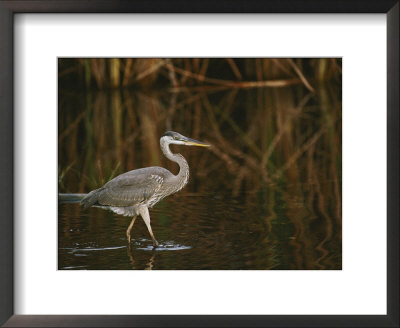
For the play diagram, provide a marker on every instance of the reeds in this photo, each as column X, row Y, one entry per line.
column 178, row 73
column 274, row 127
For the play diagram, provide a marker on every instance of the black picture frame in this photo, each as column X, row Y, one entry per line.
column 7, row 11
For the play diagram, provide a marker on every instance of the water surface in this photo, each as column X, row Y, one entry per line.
column 267, row 195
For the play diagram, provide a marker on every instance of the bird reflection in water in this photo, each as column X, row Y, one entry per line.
column 150, row 262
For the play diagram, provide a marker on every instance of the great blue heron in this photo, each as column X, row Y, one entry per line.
column 134, row 192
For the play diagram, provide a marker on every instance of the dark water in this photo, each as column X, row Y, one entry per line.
column 201, row 231
column 266, row 196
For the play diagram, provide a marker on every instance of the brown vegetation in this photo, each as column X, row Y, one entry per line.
column 274, row 126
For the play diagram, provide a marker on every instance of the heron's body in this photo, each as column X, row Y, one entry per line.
column 142, row 187
column 134, row 192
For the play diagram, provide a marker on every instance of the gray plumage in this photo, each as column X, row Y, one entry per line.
column 134, row 192
column 129, row 190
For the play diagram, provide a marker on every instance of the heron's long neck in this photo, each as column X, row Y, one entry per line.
column 183, row 176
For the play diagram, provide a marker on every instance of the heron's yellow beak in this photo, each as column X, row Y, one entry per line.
column 193, row 142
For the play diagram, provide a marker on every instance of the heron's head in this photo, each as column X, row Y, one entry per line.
column 175, row 138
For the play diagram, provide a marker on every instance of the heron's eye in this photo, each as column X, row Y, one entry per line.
column 175, row 138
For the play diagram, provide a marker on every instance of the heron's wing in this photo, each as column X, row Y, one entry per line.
column 131, row 188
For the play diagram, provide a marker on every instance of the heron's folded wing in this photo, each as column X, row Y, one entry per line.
column 130, row 190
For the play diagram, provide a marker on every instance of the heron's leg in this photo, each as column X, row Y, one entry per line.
column 144, row 212
column 128, row 231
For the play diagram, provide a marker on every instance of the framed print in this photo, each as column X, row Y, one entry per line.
column 244, row 153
